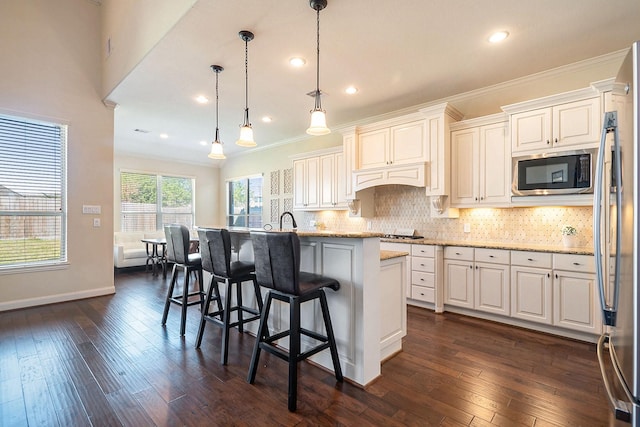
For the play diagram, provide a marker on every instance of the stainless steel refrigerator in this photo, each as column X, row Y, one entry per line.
column 616, row 234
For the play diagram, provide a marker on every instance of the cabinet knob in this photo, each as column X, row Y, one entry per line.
column 481, row 198
column 556, row 276
column 548, row 142
column 476, row 267
column 471, row 267
column 555, row 140
column 476, row 199
column 548, row 274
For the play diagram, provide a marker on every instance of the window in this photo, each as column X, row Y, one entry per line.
column 33, row 218
column 148, row 202
column 245, row 202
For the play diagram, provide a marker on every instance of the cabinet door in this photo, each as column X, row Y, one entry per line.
column 491, row 288
column 576, row 123
column 458, row 279
column 327, row 191
column 531, row 130
column 341, row 177
column 575, row 302
column 372, row 149
column 531, row 294
column 494, row 166
column 306, row 194
column 464, row 167
column 408, row 143
column 299, row 184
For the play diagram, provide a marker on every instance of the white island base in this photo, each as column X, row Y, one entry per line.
column 368, row 312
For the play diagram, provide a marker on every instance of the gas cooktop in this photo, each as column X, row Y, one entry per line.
column 403, row 234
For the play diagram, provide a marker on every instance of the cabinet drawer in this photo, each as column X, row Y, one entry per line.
column 458, row 252
column 421, row 278
column 423, row 294
column 423, row 250
column 531, row 259
column 423, row 264
column 495, row 256
column 572, row 262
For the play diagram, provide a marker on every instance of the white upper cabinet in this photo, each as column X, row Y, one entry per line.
column 480, row 164
column 395, row 145
column 411, row 150
column 319, row 181
column 560, row 125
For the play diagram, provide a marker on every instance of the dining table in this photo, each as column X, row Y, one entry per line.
column 157, row 253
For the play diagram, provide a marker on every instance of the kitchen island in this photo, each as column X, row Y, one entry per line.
column 366, row 331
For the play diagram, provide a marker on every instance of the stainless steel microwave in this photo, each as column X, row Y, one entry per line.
column 569, row 172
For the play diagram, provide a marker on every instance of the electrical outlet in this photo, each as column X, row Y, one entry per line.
column 96, row 222
column 467, row 228
column 369, row 225
column 312, row 223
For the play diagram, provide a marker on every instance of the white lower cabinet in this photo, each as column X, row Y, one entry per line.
column 477, row 279
column 576, row 300
column 531, row 297
column 458, row 276
column 492, row 281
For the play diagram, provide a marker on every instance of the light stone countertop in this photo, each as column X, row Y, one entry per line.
column 587, row 250
column 385, row 255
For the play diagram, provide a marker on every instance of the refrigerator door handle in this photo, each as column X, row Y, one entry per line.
column 621, row 408
column 608, row 310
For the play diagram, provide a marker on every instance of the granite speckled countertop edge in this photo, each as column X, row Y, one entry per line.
column 586, row 250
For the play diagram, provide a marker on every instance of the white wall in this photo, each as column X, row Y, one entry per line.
column 50, row 56
column 206, row 190
column 134, row 28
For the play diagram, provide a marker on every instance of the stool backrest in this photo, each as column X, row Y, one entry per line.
column 177, row 236
column 277, row 260
column 215, row 250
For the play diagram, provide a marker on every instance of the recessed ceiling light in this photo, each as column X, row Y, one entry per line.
column 201, row 99
column 164, row 135
column 351, row 90
column 267, row 119
column 297, row 61
column 498, row 36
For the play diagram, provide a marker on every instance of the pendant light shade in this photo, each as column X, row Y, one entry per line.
column 246, row 132
column 318, row 117
column 217, row 152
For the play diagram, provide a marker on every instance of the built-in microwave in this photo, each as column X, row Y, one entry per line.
column 568, row 172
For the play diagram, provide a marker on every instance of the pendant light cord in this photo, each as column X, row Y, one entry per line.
column 217, row 139
column 246, row 83
column 318, row 105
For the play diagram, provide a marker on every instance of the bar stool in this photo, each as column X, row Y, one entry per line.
column 215, row 249
column 277, row 260
column 178, row 252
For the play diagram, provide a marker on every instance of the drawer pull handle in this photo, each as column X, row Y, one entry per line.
column 421, row 265
column 576, row 263
column 530, row 259
column 422, row 280
column 491, row 256
column 458, row 253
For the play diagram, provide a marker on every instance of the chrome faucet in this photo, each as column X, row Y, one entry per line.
column 293, row 220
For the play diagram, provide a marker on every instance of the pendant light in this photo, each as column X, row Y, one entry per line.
column 246, row 133
column 318, row 118
column 216, row 146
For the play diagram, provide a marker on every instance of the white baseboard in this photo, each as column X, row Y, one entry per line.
column 51, row 299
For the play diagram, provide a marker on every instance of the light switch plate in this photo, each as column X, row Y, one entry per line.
column 92, row 209
column 96, row 222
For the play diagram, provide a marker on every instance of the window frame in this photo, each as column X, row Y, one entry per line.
column 230, row 218
column 159, row 214
column 60, row 210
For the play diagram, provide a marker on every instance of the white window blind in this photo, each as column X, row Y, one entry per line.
column 32, row 192
column 149, row 201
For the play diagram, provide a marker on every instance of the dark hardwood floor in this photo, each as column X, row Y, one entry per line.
column 107, row 361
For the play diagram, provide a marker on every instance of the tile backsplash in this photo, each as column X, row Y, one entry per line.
column 398, row 206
